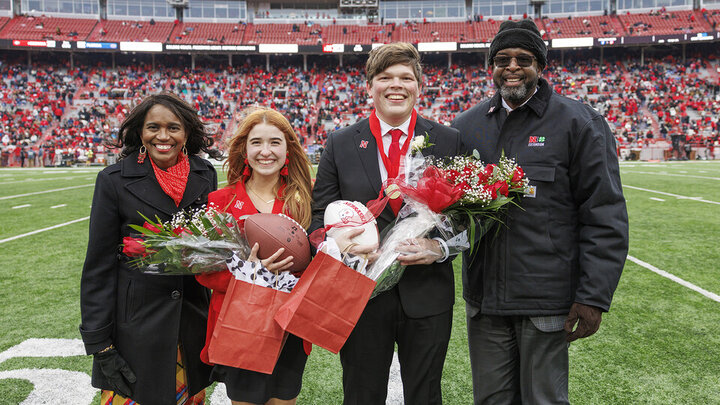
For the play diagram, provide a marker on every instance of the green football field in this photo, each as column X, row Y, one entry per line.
column 659, row 344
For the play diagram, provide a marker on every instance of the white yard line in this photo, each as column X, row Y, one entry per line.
column 671, row 174
column 681, row 197
column 42, row 179
column 652, row 198
column 21, row 206
column 7, row 197
column 675, row 278
column 52, row 169
column 395, row 394
column 59, row 206
column 44, row 229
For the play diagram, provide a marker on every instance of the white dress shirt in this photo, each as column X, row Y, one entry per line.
column 387, row 140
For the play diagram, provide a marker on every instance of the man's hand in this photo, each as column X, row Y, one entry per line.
column 116, row 371
column 587, row 318
column 419, row 251
column 346, row 245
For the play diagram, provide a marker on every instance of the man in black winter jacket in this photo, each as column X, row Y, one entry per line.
column 559, row 259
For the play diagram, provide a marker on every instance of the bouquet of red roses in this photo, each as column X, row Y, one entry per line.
column 480, row 192
column 461, row 197
column 190, row 243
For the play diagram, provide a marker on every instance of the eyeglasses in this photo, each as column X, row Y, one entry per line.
column 521, row 60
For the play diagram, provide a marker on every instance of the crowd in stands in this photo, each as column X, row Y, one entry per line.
column 313, row 27
column 61, row 116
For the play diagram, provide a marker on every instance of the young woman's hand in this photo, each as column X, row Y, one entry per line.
column 271, row 263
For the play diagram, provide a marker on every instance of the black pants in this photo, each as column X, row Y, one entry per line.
column 367, row 354
column 514, row 362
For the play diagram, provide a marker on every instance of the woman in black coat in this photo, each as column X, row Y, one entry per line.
column 136, row 326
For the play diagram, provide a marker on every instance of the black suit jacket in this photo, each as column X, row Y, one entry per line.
column 144, row 316
column 349, row 171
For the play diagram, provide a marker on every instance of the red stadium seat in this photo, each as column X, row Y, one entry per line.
column 50, row 28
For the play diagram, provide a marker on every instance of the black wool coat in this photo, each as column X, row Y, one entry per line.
column 144, row 316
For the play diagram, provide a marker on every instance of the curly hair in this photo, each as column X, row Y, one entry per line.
column 198, row 139
column 297, row 195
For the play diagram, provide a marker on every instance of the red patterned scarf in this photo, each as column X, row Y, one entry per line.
column 174, row 180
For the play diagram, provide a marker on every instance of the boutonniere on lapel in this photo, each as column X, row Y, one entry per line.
column 419, row 143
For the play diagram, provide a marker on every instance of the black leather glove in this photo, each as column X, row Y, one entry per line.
column 116, row 371
column 587, row 318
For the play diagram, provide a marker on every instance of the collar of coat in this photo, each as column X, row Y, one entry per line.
column 130, row 167
column 537, row 103
column 142, row 184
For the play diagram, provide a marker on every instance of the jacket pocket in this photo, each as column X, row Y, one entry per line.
column 125, row 298
column 129, row 300
column 539, row 173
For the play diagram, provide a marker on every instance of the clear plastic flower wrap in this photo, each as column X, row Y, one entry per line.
column 415, row 221
column 190, row 243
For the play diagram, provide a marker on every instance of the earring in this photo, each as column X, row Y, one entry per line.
column 184, row 150
column 284, row 170
column 142, row 154
column 246, row 171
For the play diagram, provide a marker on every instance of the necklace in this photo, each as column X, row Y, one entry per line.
column 258, row 195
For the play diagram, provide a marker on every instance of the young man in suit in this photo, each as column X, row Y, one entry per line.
column 417, row 313
column 559, row 259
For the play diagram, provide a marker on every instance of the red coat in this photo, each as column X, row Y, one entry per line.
column 232, row 199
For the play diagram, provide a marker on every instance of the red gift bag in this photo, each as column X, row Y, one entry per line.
column 246, row 336
column 326, row 303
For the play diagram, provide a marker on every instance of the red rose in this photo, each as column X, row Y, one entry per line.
column 482, row 178
column 502, row 188
column 489, row 169
column 517, row 176
column 180, row 230
column 150, row 227
column 497, row 188
column 133, row 247
column 491, row 189
column 467, row 171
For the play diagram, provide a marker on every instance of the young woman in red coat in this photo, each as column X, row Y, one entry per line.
column 267, row 171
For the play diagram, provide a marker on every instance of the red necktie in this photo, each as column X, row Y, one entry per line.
column 394, row 157
column 394, row 152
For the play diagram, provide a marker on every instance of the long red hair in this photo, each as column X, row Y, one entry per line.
column 297, row 194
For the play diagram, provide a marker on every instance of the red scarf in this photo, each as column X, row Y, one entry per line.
column 174, row 179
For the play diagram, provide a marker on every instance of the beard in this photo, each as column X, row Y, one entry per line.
column 517, row 95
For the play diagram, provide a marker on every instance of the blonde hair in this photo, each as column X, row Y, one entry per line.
column 297, row 195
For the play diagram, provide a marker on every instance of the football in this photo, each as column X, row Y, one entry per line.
column 345, row 212
column 275, row 231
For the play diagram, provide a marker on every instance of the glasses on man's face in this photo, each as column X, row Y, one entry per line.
column 521, row 60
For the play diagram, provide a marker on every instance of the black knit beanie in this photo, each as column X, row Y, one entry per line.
column 520, row 34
